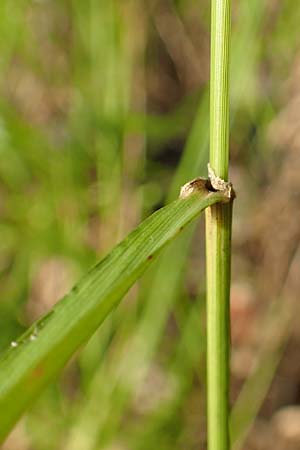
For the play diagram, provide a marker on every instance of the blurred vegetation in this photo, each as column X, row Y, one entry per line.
column 103, row 115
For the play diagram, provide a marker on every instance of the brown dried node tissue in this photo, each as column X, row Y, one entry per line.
column 213, row 184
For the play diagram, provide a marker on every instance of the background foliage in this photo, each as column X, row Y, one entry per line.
column 103, row 115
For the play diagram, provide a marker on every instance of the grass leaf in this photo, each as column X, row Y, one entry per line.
column 38, row 355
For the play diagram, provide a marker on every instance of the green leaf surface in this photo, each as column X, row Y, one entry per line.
column 37, row 356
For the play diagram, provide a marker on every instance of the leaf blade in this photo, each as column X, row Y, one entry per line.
column 43, row 350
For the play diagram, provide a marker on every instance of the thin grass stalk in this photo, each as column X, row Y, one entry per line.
column 218, row 236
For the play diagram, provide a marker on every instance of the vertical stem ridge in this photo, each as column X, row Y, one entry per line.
column 219, row 87
column 218, row 237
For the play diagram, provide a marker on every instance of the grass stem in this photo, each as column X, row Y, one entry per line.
column 219, row 87
column 218, row 236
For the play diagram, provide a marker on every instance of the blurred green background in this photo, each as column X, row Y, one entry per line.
column 104, row 114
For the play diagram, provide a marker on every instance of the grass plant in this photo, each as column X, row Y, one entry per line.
column 87, row 128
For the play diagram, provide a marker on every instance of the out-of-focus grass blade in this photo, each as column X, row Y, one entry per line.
column 255, row 388
column 252, row 396
column 34, row 359
column 195, row 154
